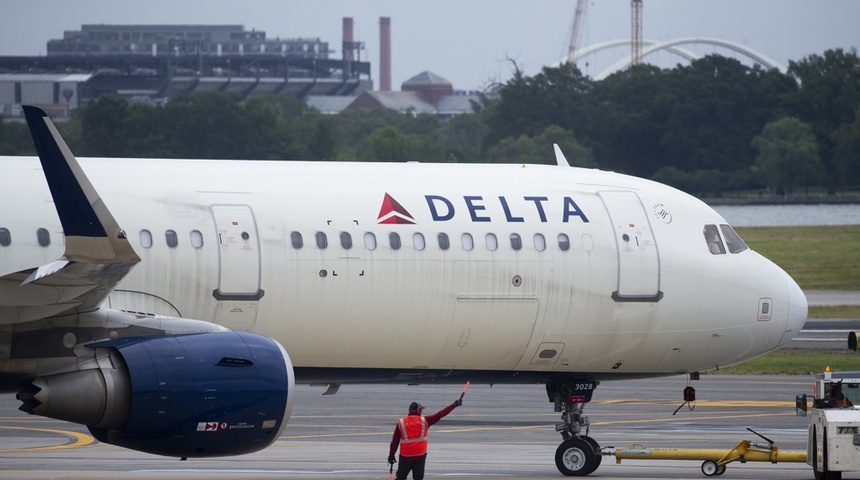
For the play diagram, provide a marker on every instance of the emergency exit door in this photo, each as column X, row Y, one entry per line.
column 638, row 257
column 238, row 253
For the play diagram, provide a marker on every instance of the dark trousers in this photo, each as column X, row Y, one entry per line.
column 416, row 465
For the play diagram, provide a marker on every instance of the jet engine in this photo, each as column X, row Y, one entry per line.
column 195, row 395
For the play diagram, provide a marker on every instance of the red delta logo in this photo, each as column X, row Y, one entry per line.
column 392, row 212
column 209, row 426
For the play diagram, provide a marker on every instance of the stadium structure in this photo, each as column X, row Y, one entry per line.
column 152, row 63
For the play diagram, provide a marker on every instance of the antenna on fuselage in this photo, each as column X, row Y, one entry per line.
column 559, row 157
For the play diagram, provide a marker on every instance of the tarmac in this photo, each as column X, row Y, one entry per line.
column 832, row 298
column 501, row 432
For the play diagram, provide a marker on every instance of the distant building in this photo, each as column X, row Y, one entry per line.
column 157, row 40
column 58, row 94
column 403, row 102
column 153, row 63
column 429, row 86
column 425, row 93
column 329, row 104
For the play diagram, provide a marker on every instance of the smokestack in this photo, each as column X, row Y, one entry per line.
column 385, row 54
column 348, row 54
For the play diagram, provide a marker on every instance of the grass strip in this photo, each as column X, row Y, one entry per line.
column 847, row 311
column 818, row 258
column 795, row 361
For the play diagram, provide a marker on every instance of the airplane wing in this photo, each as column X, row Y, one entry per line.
column 97, row 254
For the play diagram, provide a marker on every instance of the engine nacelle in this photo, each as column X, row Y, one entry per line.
column 197, row 395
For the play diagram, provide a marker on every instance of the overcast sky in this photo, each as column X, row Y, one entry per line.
column 468, row 42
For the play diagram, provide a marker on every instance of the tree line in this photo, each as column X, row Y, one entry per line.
column 708, row 127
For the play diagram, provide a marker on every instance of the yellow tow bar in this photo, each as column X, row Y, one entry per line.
column 714, row 460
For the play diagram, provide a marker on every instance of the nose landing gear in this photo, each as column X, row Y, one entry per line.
column 578, row 455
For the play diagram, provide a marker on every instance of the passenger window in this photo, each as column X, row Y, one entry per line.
column 733, row 241
column 516, row 241
column 712, row 237
column 492, row 242
column 322, row 241
column 563, row 242
column 5, row 237
column 196, row 239
column 172, row 238
column 345, row 240
column 540, row 242
column 444, row 243
column 418, row 241
column 146, row 239
column 468, row 242
column 394, row 240
column 296, row 240
column 370, row 241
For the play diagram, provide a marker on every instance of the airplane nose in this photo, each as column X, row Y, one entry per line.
column 798, row 310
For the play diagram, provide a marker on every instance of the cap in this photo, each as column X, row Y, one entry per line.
column 415, row 406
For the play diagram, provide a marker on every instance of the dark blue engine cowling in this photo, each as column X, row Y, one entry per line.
column 203, row 395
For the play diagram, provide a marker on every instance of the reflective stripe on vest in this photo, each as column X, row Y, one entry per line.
column 413, row 435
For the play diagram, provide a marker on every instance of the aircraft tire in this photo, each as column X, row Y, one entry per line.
column 596, row 447
column 575, row 457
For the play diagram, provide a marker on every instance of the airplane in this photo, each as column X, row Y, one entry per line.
column 171, row 306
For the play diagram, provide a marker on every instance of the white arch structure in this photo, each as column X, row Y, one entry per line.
column 673, row 47
column 586, row 51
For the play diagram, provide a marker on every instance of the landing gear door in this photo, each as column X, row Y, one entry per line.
column 238, row 253
column 638, row 257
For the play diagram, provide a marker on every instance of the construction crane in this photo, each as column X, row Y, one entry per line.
column 576, row 31
column 636, row 32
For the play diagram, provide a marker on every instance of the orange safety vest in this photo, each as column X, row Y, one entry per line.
column 413, row 435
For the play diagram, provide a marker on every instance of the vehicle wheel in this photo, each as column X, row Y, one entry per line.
column 575, row 458
column 720, row 470
column 596, row 446
column 828, row 475
column 709, row 468
column 818, row 475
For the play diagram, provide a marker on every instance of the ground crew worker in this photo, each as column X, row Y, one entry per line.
column 411, row 434
column 839, row 398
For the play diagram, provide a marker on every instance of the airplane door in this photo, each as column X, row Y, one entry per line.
column 238, row 253
column 638, row 257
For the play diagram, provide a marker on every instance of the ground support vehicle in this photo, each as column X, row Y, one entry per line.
column 714, row 461
column 833, row 444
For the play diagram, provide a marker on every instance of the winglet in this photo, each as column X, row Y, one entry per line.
column 559, row 157
column 92, row 233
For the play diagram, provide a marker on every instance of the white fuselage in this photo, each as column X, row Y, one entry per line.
column 613, row 276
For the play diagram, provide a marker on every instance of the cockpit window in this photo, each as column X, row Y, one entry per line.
column 715, row 243
column 733, row 241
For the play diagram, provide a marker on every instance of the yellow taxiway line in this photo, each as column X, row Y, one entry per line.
column 78, row 440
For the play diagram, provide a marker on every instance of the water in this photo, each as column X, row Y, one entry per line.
column 789, row 215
